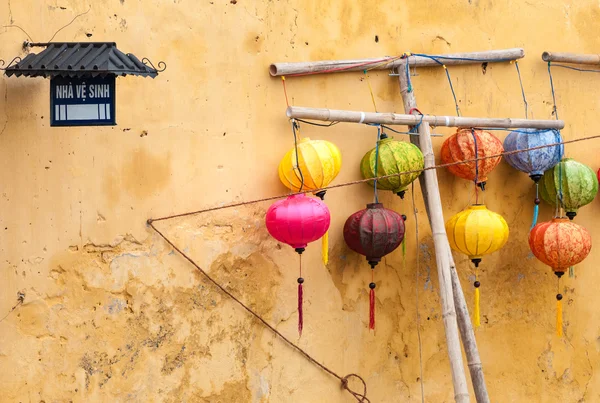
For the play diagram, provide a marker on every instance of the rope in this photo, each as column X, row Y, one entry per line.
column 351, row 183
column 576, row 69
column 554, row 110
column 344, row 380
column 476, row 166
column 376, row 195
column 370, row 90
column 435, row 59
column 522, row 90
column 285, row 91
column 296, row 127
column 417, row 275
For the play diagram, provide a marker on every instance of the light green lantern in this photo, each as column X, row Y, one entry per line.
column 393, row 157
column 576, row 184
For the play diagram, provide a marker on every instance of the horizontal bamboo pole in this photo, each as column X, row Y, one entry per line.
column 503, row 55
column 332, row 115
column 575, row 58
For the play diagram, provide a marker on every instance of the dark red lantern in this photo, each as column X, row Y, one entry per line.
column 297, row 221
column 374, row 232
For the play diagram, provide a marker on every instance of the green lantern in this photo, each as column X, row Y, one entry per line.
column 579, row 185
column 394, row 157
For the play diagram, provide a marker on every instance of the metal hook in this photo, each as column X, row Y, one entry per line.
column 162, row 66
column 16, row 60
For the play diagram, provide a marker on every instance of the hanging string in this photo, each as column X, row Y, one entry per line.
column 296, row 127
column 522, row 90
column 435, row 59
column 476, row 166
column 375, row 194
column 285, row 91
column 417, row 276
column 575, row 68
column 359, row 181
column 370, row 90
column 554, row 109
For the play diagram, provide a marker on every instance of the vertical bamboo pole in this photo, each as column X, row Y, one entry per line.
column 433, row 203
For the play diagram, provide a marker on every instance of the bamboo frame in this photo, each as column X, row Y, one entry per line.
column 283, row 69
column 332, row 115
column 433, row 205
column 574, row 58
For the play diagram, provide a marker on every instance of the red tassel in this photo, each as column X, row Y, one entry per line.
column 300, row 313
column 372, row 309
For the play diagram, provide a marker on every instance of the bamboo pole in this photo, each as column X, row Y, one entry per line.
column 575, row 58
column 433, row 201
column 468, row 338
column 332, row 115
column 337, row 66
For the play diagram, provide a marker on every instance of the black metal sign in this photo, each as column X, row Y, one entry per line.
column 82, row 101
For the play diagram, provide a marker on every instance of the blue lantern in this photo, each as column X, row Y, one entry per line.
column 534, row 162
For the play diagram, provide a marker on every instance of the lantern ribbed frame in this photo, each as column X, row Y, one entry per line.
column 394, row 157
column 560, row 243
column 533, row 162
column 319, row 161
column 477, row 231
column 579, row 185
column 461, row 147
column 298, row 220
column 374, row 232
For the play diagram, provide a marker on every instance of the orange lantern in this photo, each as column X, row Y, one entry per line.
column 468, row 144
column 560, row 244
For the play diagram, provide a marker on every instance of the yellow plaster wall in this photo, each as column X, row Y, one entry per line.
column 112, row 314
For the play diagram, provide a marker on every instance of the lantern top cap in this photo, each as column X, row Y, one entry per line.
column 561, row 219
column 478, row 207
column 374, row 205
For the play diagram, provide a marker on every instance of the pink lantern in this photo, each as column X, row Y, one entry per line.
column 297, row 221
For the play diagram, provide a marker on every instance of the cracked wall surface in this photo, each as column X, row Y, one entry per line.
column 111, row 313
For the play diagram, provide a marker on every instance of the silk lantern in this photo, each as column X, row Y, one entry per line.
column 571, row 184
column 534, row 162
column 468, row 144
column 476, row 232
column 392, row 158
column 314, row 166
column 297, row 221
column 560, row 244
column 374, row 232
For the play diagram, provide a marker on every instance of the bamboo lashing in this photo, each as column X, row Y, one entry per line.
column 387, row 63
column 333, row 115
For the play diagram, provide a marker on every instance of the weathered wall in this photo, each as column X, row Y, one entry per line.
column 111, row 313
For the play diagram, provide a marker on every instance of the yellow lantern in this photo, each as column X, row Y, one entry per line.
column 315, row 166
column 476, row 232
column 318, row 163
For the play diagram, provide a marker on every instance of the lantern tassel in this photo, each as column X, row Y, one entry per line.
column 300, row 313
column 559, row 319
column 536, row 209
column 325, row 248
column 372, row 309
column 476, row 312
column 572, row 272
column 404, row 254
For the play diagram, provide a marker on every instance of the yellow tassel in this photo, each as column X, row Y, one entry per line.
column 325, row 248
column 559, row 321
column 476, row 313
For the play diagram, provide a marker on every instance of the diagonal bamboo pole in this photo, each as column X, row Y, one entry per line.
column 433, row 204
column 449, row 283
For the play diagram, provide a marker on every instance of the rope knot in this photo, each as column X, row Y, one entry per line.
column 360, row 397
